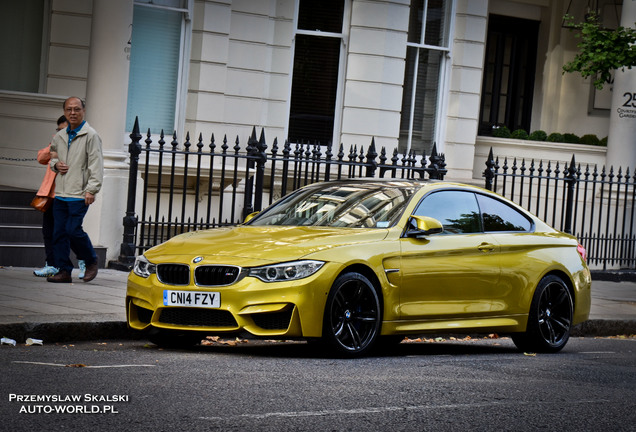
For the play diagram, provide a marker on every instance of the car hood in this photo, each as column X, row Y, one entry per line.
column 258, row 245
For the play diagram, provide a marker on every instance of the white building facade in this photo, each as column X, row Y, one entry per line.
column 407, row 73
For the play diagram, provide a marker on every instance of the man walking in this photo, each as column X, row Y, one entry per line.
column 76, row 156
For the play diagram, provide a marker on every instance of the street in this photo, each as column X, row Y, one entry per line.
column 478, row 384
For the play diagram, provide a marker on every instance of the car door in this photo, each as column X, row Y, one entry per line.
column 519, row 250
column 454, row 274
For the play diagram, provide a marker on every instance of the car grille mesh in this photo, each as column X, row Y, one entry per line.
column 197, row 317
column 144, row 315
column 214, row 275
column 273, row 321
column 174, row 274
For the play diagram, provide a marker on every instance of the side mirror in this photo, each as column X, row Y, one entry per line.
column 250, row 216
column 420, row 226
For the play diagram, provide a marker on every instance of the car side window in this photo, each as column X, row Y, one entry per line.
column 499, row 216
column 456, row 210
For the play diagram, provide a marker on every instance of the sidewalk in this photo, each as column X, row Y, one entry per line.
column 32, row 307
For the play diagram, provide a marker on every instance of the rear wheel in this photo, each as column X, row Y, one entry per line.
column 352, row 315
column 550, row 318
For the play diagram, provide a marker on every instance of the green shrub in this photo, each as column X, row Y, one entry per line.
column 538, row 135
column 603, row 142
column 571, row 138
column 555, row 137
column 590, row 139
column 520, row 134
column 501, row 132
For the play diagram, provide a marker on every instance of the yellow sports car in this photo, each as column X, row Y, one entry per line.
column 349, row 263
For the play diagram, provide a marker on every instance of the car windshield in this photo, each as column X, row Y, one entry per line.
column 370, row 205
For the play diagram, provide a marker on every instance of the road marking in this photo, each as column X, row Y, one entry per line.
column 82, row 365
column 380, row 410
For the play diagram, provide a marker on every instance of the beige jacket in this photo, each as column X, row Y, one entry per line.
column 85, row 160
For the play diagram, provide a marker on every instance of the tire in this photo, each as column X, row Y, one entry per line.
column 174, row 339
column 549, row 319
column 353, row 315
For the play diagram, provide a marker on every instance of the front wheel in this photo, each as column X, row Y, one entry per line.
column 353, row 316
column 549, row 319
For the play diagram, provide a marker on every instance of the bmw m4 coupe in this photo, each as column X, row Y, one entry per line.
column 351, row 263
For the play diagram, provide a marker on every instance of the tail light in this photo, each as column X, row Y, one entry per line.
column 581, row 250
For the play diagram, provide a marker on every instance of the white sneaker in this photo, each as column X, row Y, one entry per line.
column 82, row 267
column 46, row 271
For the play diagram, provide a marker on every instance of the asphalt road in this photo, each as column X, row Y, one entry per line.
column 477, row 385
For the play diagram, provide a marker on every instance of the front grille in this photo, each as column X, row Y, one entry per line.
column 174, row 274
column 215, row 275
column 197, row 317
column 274, row 320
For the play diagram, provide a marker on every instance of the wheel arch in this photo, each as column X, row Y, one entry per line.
column 367, row 272
column 566, row 280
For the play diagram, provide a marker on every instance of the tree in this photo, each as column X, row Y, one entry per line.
column 601, row 50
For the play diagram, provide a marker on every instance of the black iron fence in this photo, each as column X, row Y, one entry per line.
column 200, row 185
column 596, row 205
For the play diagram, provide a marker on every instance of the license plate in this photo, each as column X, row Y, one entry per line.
column 192, row 298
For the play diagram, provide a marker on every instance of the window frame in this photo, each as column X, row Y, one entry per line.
column 344, row 42
column 45, row 43
column 443, row 78
column 183, row 68
column 476, row 195
column 531, row 223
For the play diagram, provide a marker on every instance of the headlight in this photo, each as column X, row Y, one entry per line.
column 143, row 267
column 286, row 271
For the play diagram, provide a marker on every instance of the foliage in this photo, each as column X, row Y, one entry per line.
column 555, row 137
column 590, row 139
column 501, row 132
column 601, row 50
column 571, row 138
column 520, row 134
column 538, row 135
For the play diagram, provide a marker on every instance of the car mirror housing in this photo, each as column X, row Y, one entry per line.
column 250, row 216
column 420, row 226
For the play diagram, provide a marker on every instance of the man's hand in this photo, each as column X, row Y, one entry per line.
column 61, row 168
column 89, row 198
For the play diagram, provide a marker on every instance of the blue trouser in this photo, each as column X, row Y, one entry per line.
column 68, row 217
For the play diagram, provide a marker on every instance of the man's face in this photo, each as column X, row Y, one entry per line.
column 74, row 112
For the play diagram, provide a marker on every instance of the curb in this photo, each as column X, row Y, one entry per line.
column 614, row 275
column 67, row 331
column 86, row 331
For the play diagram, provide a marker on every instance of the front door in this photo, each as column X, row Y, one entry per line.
column 454, row 274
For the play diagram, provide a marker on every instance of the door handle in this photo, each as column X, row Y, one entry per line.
column 486, row 247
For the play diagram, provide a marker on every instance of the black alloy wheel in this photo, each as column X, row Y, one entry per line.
column 550, row 318
column 352, row 315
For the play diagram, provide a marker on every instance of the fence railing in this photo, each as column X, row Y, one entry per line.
column 595, row 205
column 204, row 185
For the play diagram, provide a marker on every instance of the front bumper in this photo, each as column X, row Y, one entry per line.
column 281, row 309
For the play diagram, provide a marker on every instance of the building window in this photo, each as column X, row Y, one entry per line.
column 317, row 58
column 508, row 83
column 426, row 63
column 156, row 64
column 21, row 29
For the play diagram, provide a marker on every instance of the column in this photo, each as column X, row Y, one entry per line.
column 106, row 100
column 621, row 145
